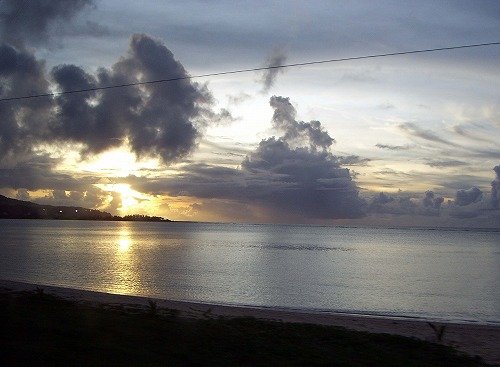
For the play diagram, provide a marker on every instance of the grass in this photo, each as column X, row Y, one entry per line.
column 43, row 330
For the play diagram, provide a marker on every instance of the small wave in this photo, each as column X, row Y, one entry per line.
column 300, row 247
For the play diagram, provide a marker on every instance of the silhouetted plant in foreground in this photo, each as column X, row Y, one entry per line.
column 438, row 331
column 152, row 307
column 208, row 313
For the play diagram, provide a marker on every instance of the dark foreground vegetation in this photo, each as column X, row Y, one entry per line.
column 38, row 329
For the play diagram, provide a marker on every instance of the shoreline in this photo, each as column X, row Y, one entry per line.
column 474, row 339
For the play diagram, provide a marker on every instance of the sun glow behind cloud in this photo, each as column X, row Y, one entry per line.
column 108, row 170
column 130, row 200
column 111, row 172
column 119, row 162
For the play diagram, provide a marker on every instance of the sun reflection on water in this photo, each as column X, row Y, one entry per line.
column 124, row 264
column 124, row 241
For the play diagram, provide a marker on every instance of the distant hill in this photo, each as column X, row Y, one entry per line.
column 19, row 209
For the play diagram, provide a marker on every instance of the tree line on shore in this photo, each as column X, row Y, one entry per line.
column 19, row 209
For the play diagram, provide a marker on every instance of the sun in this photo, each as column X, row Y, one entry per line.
column 130, row 199
column 112, row 170
column 113, row 166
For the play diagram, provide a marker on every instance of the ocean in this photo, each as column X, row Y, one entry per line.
column 437, row 274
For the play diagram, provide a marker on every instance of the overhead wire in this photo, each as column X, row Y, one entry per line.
column 239, row 71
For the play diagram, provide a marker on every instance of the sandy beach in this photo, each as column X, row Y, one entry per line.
column 473, row 339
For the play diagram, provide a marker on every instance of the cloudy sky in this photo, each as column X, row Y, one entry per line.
column 403, row 140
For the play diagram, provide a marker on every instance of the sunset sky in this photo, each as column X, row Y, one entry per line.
column 403, row 140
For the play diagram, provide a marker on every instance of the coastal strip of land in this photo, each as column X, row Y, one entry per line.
column 473, row 339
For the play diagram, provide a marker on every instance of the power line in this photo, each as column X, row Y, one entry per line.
column 251, row 70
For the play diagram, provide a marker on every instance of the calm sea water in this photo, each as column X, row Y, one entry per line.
column 438, row 274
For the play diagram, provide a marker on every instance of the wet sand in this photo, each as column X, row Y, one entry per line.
column 473, row 339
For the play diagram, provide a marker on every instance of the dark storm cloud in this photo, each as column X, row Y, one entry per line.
column 305, row 181
column 38, row 174
column 294, row 173
column 407, row 204
column 274, row 176
column 298, row 132
column 158, row 120
column 379, row 201
column 314, row 182
column 473, row 203
column 387, row 204
column 431, row 201
column 431, row 204
column 275, row 59
column 21, row 122
column 27, row 21
column 24, row 124
column 203, row 181
column 466, row 197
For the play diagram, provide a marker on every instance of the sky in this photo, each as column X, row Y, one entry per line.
column 408, row 140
